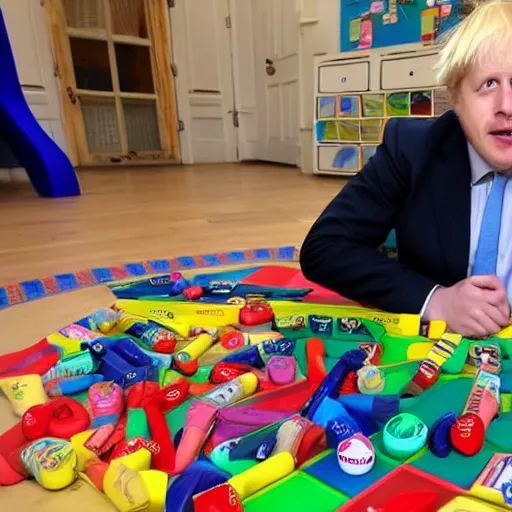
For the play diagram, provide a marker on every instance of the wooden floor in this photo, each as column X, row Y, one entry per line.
column 127, row 216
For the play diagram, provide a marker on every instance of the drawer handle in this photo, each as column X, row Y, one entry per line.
column 343, row 79
column 411, row 73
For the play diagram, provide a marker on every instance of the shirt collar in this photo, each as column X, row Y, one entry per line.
column 479, row 167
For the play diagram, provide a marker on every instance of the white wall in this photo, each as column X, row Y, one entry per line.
column 320, row 34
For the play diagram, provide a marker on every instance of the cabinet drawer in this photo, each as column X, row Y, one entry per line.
column 342, row 158
column 337, row 78
column 409, row 72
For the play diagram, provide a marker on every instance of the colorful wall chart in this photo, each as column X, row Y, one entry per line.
column 378, row 23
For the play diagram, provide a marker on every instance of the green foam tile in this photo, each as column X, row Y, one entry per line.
column 456, row 468
column 505, row 346
column 506, row 365
column 439, row 399
column 395, row 348
column 498, row 432
column 397, row 377
column 505, row 402
column 297, row 492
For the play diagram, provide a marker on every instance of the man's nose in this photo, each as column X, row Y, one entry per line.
column 505, row 101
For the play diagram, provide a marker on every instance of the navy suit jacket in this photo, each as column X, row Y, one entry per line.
column 418, row 182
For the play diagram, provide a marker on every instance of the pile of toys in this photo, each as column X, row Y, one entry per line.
column 235, row 391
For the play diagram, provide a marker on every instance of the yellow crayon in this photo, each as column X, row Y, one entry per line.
column 265, row 473
column 195, row 349
column 156, row 484
column 190, row 313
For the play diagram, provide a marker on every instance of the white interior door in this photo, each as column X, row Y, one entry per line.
column 244, row 59
column 201, row 40
column 30, row 41
column 276, row 25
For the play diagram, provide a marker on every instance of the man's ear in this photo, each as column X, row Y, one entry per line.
column 454, row 98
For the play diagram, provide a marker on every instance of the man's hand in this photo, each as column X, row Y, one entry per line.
column 475, row 307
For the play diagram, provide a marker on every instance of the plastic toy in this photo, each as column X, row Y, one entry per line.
column 49, row 169
column 23, row 392
column 483, row 404
column 356, row 455
column 51, row 461
column 404, row 435
column 190, row 393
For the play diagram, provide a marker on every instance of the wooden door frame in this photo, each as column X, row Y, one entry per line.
column 158, row 23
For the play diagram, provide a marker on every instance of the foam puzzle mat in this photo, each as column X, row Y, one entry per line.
column 249, row 388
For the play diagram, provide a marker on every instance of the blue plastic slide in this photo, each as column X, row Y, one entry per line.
column 48, row 167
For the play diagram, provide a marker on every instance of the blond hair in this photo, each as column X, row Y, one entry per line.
column 486, row 25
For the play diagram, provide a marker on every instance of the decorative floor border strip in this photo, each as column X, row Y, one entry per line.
column 27, row 291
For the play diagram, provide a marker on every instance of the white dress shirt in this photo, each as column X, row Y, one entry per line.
column 481, row 183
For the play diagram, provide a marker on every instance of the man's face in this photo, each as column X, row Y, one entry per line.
column 484, row 107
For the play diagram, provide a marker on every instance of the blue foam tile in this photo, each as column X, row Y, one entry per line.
column 262, row 254
column 286, row 253
column 186, row 261
column 211, row 259
column 102, row 275
column 33, row 289
column 235, row 256
column 136, row 269
column 66, row 281
column 160, row 265
column 4, row 298
column 328, row 471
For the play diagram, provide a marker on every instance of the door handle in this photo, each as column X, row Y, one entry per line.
column 269, row 67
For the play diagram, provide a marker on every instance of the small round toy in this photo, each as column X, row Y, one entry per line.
column 404, row 435
column 356, row 455
column 370, row 380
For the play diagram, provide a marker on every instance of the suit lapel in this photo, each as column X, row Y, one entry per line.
column 450, row 189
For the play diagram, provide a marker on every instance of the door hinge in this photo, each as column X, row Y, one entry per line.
column 228, row 21
column 181, row 125
column 171, row 3
column 174, row 69
column 236, row 121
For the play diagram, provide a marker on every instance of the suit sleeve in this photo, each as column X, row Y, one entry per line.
column 341, row 251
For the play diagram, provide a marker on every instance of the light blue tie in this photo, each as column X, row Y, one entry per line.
column 486, row 257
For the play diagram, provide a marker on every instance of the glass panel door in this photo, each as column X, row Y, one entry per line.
column 114, row 63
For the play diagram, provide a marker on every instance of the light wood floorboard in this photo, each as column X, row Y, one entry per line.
column 129, row 215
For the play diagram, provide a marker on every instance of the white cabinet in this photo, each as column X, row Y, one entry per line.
column 334, row 78
column 355, row 95
column 408, row 72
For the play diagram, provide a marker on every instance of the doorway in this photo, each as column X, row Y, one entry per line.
column 113, row 59
column 238, row 79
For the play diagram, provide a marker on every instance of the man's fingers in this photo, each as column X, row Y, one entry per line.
column 497, row 298
column 499, row 315
column 486, row 325
column 487, row 281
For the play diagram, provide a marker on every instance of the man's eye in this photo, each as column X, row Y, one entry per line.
column 490, row 83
